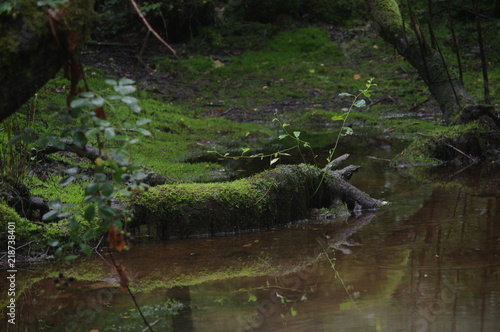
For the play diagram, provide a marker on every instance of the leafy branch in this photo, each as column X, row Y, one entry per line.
column 357, row 102
column 85, row 119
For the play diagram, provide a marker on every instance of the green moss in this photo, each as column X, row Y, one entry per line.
column 387, row 12
column 25, row 230
column 265, row 200
column 454, row 144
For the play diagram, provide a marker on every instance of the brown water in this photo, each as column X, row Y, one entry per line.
column 429, row 261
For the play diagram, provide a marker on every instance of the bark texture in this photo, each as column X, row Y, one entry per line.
column 444, row 85
column 269, row 199
column 34, row 47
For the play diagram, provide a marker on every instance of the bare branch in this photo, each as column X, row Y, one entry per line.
column 146, row 23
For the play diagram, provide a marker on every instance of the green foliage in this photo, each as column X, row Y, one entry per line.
column 10, row 6
column 86, row 120
column 331, row 12
column 358, row 102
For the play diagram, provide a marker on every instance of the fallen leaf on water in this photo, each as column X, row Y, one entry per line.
column 247, row 245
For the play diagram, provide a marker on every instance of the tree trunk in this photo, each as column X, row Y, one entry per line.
column 269, row 199
column 34, row 47
column 444, row 85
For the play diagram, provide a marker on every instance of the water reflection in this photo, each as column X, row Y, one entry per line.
column 427, row 262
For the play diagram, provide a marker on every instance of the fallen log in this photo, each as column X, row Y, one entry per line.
column 269, row 199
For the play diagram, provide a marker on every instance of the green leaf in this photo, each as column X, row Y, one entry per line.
column 55, row 203
column 124, row 89
column 348, row 130
column 49, row 140
column 64, row 182
column 53, row 243
column 252, row 298
column 345, row 94
column 97, row 101
column 86, row 94
column 70, row 258
column 91, row 132
column 100, row 176
column 296, row 134
column 71, row 171
column 110, row 82
column 107, row 189
column 89, row 213
column 142, row 122
column 89, row 234
column 79, row 139
column 85, row 248
column 73, row 223
column 80, row 102
column 129, row 100
column 282, row 136
column 24, row 137
column 125, row 81
column 273, row 161
column 360, row 103
column 293, row 312
column 144, row 131
column 5, row 7
column 91, row 189
column 107, row 211
column 339, row 117
column 244, row 150
column 50, row 215
column 109, row 133
column 114, row 97
column 135, row 108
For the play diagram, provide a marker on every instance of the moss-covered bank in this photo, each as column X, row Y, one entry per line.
column 459, row 144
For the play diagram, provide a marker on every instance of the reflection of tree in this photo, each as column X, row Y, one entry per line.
column 452, row 260
column 184, row 320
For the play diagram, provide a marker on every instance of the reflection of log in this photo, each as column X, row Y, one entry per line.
column 30, row 53
column 268, row 199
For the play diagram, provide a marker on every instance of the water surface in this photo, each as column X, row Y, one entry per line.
column 429, row 261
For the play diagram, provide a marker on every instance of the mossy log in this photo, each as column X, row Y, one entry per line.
column 34, row 46
column 266, row 200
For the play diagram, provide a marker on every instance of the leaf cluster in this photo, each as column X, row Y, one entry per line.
column 114, row 173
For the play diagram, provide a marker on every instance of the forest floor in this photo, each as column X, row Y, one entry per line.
column 235, row 92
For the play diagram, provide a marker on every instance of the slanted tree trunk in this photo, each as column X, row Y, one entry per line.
column 444, row 85
column 269, row 199
column 34, row 46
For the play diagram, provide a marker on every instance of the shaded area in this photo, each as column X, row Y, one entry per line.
column 427, row 261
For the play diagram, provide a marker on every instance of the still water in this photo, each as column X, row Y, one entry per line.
column 428, row 261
